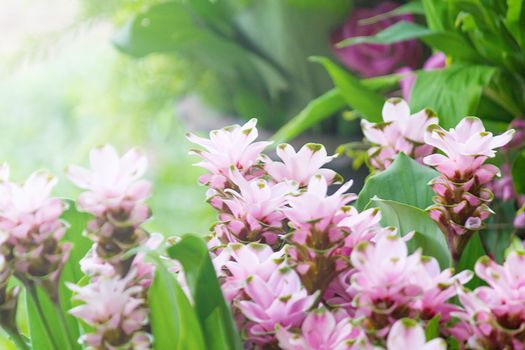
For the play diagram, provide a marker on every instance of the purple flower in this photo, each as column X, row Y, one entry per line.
column 375, row 59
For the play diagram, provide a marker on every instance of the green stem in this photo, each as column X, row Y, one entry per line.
column 17, row 338
column 32, row 291
column 63, row 321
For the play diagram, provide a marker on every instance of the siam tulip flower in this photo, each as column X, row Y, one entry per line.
column 375, row 59
column 116, row 196
column 254, row 212
column 116, row 311
column 461, row 204
column 408, row 334
column 238, row 262
column 301, row 166
column 324, row 330
column 436, row 61
column 400, row 132
column 316, row 236
column 518, row 140
column 495, row 313
column 278, row 300
column 31, row 220
column 227, row 147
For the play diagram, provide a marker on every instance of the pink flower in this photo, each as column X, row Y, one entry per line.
column 115, row 310
column 436, row 61
column 279, row 300
column 315, row 208
column 227, row 147
column 113, row 183
column 375, row 59
column 324, row 330
column 301, row 166
column 466, row 147
column 519, row 137
column 400, row 132
column 244, row 261
column 407, row 334
column 255, row 210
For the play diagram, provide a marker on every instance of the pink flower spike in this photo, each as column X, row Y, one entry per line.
column 407, row 334
column 301, row 166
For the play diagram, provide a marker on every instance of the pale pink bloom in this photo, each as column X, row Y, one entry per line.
column 112, row 308
column 278, row 300
column 436, row 61
column 407, row 334
column 314, row 207
column 301, row 166
column 384, row 275
column 29, row 209
column 237, row 262
column 466, row 148
column 362, row 226
column 400, row 132
column 113, row 183
column 324, row 330
column 255, row 209
column 227, row 147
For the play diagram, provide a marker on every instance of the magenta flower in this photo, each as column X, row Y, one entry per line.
column 375, row 59
column 407, row 334
column 279, row 300
column 400, row 132
column 113, row 183
column 436, row 61
column 115, row 310
column 301, row 166
column 324, row 330
column 227, row 147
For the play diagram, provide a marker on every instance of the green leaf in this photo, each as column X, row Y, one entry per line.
column 174, row 324
column 405, row 181
column 515, row 20
column 472, row 252
column 76, row 222
column 406, row 219
column 362, row 99
column 497, row 236
column 414, row 7
column 449, row 42
column 315, row 111
column 212, row 310
column 518, row 173
column 453, row 93
column 432, row 330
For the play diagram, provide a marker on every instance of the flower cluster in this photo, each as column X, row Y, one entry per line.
column 375, row 59
column 32, row 229
column 301, row 268
column 462, row 195
column 400, row 132
column 114, row 300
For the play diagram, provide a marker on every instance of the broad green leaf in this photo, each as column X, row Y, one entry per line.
column 362, row 99
column 432, row 330
column 436, row 14
column 515, row 20
column 406, row 219
column 518, row 172
column 212, row 310
column 472, row 252
column 449, row 42
column 498, row 233
column 76, row 222
column 405, row 181
column 174, row 323
column 317, row 110
column 453, row 93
